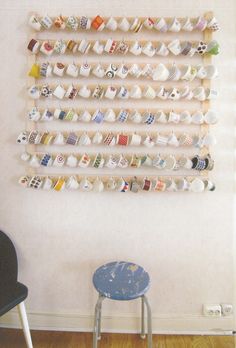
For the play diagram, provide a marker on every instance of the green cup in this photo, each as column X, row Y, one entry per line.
column 213, row 48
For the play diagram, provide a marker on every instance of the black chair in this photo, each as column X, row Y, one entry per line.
column 12, row 292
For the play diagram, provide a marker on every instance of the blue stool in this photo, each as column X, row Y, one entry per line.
column 122, row 281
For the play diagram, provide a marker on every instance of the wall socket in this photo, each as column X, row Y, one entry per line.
column 217, row 310
column 213, row 310
column 226, row 309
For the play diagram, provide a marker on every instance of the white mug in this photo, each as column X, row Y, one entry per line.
column 110, row 92
column 111, row 184
column 111, row 24
column 47, row 184
column 172, row 140
column 162, row 93
column 34, row 114
column 34, row 92
column 110, row 115
column 148, row 141
column 85, row 116
column 99, row 71
column 123, row 71
column 46, row 22
column 98, row 185
column 186, row 93
column 135, row 139
column 197, row 117
column 149, row 49
column 148, row 71
column 182, row 184
column 188, row 73
column 209, row 140
column 135, row 70
column 85, row 185
column 210, row 117
column 201, row 72
column 174, row 94
column 84, row 92
column 161, row 117
column 197, row 185
column 97, row 138
column 124, row 24
column 170, row 162
column 34, row 161
column 171, row 185
column 175, row 47
column 98, row 48
column 136, row 92
column 72, row 183
column 160, row 73
column 187, row 25
column 211, row 71
column 149, row 93
column 162, row 140
column 199, row 93
column 59, row 139
column 111, row 162
column 136, row 48
column 210, row 93
column 35, row 23
column 85, row 69
column 162, row 50
column 72, row 70
column 84, row 46
column 59, row 92
column 136, row 117
column 173, row 117
column 59, row 160
column 84, row 139
column 47, row 115
column 71, row 161
column 174, row 26
column 123, row 93
column 25, row 156
column 185, row 162
column 185, row 117
column 161, row 25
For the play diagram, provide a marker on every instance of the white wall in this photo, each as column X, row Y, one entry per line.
column 185, row 241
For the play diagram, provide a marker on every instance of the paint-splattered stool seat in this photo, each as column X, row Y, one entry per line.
column 122, row 281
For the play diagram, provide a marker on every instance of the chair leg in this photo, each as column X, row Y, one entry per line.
column 149, row 321
column 25, row 324
column 97, row 321
column 142, row 319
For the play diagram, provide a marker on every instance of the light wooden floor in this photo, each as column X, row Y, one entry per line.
column 10, row 338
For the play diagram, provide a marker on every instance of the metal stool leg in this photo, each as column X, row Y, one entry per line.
column 100, row 317
column 142, row 319
column 149, row 321
column 97, row 321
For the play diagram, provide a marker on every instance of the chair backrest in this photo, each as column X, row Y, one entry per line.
column 8, row 262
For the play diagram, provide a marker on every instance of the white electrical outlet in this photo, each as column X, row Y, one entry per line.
column 226, row 309
column 213, row 310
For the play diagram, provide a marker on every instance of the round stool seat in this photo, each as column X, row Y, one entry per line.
column 121, row 281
